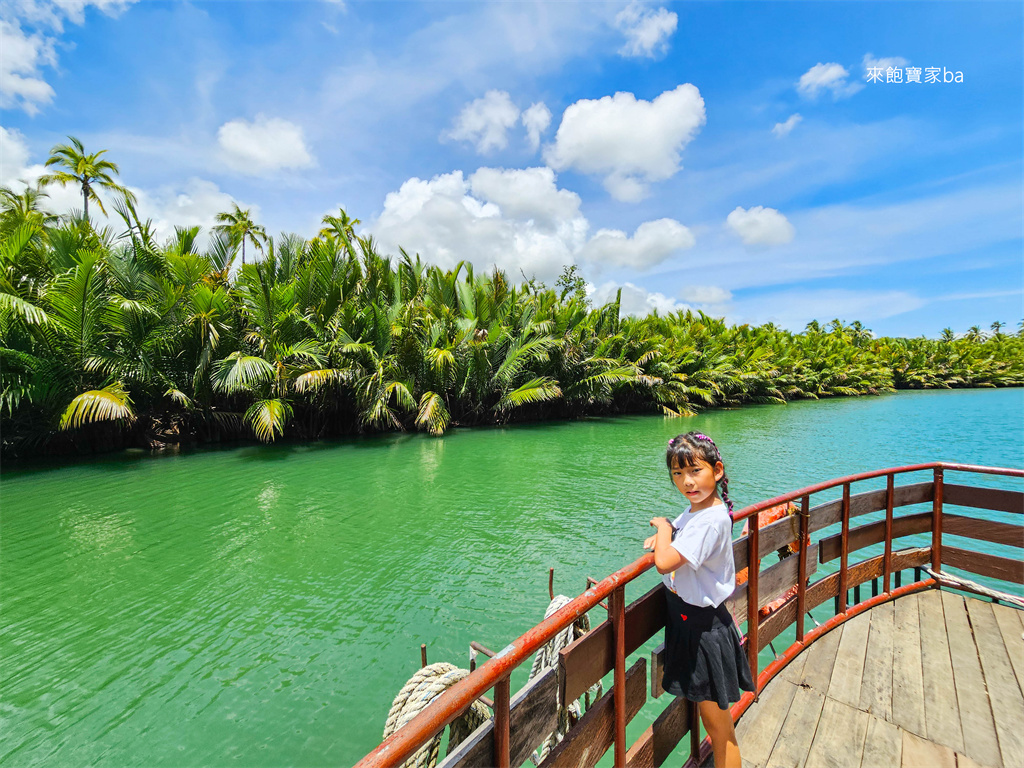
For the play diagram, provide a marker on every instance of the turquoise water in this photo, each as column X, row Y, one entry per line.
column 261, row 606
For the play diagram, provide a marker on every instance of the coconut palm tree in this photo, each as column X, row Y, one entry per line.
column 88, row 171
column 239, row 227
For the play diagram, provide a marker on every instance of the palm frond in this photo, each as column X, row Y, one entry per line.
column 238, row 373
column 539, row 390
column 433, row 415
column 267, row 418
column 112, row 403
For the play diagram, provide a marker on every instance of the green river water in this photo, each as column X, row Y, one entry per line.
column 261, row 606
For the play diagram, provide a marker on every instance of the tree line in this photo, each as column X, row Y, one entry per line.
column 109, row 338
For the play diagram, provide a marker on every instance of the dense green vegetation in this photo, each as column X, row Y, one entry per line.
column 110, row 338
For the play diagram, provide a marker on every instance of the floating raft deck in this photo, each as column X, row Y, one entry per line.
column 931, row 679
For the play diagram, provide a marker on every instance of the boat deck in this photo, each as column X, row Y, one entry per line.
column 930, row 679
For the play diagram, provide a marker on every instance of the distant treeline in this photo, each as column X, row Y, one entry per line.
column 110, row 340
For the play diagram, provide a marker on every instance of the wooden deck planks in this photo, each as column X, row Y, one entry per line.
column 794, row 671
column 821, row 660
column 849, row 666
column 979, row 728
column 942, row 718
column 1010, row 627
column 947, row 657
column 907, row 682
column 876, row 682
column 790, row 750
column 921, row 753
column 1008, row 703
column 759, row 727
column 883, row 744
column 839, row 739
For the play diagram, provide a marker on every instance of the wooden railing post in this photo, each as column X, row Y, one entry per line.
column 844, row 550
column 502, row 696
column 753, row 567
column 617, row 617
column 890, row 493
column 801, row 579
column 937, row 522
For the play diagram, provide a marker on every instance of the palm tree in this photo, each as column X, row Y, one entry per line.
column 997, row 328
column 88, row 171
column 948, row 335
column 341, row 226
column 24, row 208
column 239, row 227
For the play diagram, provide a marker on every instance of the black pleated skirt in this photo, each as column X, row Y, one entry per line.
column 704, row 660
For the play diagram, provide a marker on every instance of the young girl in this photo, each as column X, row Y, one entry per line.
column 703, row 658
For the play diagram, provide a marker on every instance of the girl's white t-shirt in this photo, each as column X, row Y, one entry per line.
column 704, row 538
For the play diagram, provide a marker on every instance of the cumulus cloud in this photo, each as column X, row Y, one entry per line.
column 760, row 226
column 830, row 77
column 705, row 294
column 446, row 224
column 517, row 220
column 21, row 84
column 634, row 300
column 784, row 129
column 194, row 203
column 536, row 119
column 265, row 145
column 26, row 53
column 651, row 244
column 629, row 141
column 13, row 156
column 529, row 195
column 485, row 122
column 647, row 31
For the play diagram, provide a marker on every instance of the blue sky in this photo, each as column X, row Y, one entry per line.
column 732, row 157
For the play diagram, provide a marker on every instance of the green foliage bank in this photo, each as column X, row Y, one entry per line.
column 109, row 339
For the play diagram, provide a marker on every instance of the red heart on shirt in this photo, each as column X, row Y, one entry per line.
column 683, row 616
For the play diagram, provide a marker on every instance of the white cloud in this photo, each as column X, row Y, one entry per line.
column 528, row 195
column 443, row 222
column 827, row 77
column 13, row 156
column 518, row 220
column 760, row 226
column 485, row 122
column 793, row 309
column 630, row 142
column 647, row 31
column 53, row 13
column 634, row 299
column 196, row 202
column 784, row 129
column 265, row 145
column 21, row 86
column 705, row 294
column 25, row 53
column 871, row 62
column 536, row 118
column 651, row 244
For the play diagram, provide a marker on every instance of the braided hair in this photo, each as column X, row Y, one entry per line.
column 685, row 450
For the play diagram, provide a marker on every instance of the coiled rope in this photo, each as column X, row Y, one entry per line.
column 432, row 680
column 547, row 657
column 423, row 687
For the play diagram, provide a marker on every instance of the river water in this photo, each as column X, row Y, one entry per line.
column 261, row 606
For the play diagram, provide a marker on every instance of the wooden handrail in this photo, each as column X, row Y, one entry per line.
column 496, row 672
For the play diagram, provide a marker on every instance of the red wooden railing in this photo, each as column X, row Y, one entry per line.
column 629, row 626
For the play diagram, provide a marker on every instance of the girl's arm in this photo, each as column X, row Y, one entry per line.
column 666, row 557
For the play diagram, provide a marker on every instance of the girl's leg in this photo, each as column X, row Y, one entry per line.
column 718, row 724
